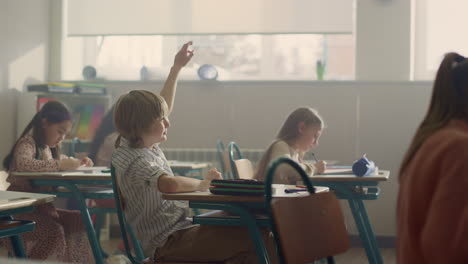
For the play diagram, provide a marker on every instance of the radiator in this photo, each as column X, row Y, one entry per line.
column 207, row 154
column 211, row 155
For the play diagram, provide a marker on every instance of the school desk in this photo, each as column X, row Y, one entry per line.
column 184, row 168
column 12, row 203
column 79, row 186
column 355, row 190
column 237, row 205
column 75, row 183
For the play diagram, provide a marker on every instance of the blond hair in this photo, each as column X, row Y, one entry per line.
column 134, row 114
column 289, row 133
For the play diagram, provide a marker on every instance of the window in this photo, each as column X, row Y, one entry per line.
column 438, row 29
column 236, row 57
column 273, row 39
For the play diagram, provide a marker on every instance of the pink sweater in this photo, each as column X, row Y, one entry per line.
column 432, row 215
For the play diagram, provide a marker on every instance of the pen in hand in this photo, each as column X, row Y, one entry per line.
column 315, row 158
column 320, row 165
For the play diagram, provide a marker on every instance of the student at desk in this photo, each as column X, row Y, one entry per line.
column 300, row 133
column 432, row 211
column 103, row 143
column 60, row 234
column 143, row 173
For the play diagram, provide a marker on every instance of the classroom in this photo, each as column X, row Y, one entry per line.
column 367, row 66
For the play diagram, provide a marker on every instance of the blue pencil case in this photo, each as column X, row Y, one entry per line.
column 363, row 167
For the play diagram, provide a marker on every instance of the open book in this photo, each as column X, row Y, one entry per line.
column 91, row 169
column 338, row 170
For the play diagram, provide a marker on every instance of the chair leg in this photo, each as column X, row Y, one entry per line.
column 18, row 247
column 97, row 226
column 98, row 221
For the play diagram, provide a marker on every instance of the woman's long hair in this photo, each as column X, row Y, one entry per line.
column 449, row 101
column 53, row 112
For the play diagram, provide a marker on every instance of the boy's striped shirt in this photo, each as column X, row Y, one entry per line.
column 152, row 218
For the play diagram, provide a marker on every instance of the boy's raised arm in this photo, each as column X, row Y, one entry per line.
column 181, row 59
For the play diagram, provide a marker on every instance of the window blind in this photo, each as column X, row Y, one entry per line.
column 188, row 17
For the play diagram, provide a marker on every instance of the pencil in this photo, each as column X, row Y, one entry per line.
column 315, row 158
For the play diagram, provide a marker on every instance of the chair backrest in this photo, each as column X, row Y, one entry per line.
column 223, row 159
column 125, row 229
column 244, row 169
column 76, row 149
column 234, row 153
column 306, row 228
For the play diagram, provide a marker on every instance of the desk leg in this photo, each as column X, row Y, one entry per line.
column 95, row 246
column 256, row 237
column 365, row 231
column 18, row 247
column 370, row 232
column 247, row 219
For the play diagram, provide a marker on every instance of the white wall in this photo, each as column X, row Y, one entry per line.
column 383, row 39
column 377, row 118
column 24, row 29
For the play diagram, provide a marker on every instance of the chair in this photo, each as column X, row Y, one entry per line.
column 244, row 169
column 223, row 160
column 241, row 168
column 98, row 207
column 98, row 212
column 12, row 228
column 306, row 228
column 77, row 148
column 139, row 256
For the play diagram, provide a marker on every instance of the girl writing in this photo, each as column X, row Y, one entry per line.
column 59, row 234
column 300, row 133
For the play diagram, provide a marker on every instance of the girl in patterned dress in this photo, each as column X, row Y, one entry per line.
column 60, row 234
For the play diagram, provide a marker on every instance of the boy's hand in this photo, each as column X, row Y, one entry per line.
column 213, row 174
column 86, row 162
column 320, row 166
column 183, row 56
column 69, row 164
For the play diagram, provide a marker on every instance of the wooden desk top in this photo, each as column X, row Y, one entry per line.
column 209, row 197
column 12, row 200
column 97, row 175
column 64, row 175
column 382, row 175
